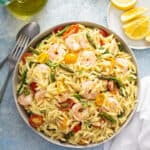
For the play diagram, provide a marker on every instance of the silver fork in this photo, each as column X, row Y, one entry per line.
column 21, row 43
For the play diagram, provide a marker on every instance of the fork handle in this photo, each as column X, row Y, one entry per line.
column 2, row 90
column 3, row 61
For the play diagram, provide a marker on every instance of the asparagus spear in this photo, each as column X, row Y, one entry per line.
column 117, row 81
column 52, row 77
column 33, row 50
column 24, row 75
column 61, row 32
column 90, row 40
column 66, row 68
column 51, row 64
column 108, row 117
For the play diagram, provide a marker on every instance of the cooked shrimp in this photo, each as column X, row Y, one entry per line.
column 122, row 63
column 76, row 42
column 56, row 52
column 87, row 58
column 78, row 112
column 113, row 47
column 39, row 95
column 40, row 71
column 112, row 87
column 112, row 104
column 89, row 89
column 25, row 100
column 107, row 66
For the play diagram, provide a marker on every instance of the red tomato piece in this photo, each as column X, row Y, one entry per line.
column 102, row 42
column 58, row 29
column 35, row 120
column 103, row 32
column 33, row 86
column 24, row 56
column 77, row 128
column 66, row 105
column 71, row 30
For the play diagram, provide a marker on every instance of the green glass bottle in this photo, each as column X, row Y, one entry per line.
column 24, row 9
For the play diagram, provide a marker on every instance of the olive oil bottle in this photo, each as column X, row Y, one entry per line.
column 24, row 9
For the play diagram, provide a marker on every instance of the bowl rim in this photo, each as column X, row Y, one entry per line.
column 37, row 39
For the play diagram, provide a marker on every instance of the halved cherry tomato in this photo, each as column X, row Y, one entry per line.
column 100, row 98
column 103, row 32
column 24, row 56
column 67, row 105
column 101, row 42
column 33, row 86
column 35, row 120
column 71, row 30
column 58, row 29
column 43, row 58
column 77, row 128
column 63, row 124
column 70, row 58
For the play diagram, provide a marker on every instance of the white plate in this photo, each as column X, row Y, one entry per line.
column 114, row 23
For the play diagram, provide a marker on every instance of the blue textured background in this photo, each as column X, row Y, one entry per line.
column 14, row 133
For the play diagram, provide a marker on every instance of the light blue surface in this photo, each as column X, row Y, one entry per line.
column 14, row 133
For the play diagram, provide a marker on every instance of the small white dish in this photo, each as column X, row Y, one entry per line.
column 114, row 23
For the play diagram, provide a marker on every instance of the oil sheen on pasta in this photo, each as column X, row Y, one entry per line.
column 78, row 85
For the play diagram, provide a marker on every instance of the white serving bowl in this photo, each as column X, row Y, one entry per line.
column 36, row 40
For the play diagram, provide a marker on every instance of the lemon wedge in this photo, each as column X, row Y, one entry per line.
column 133, row 13
column 124, row 4
column 137, row 29
column 147, row 38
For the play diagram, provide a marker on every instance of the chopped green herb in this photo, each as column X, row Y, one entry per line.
column 90, row 40
column 66, row 68
column 108, row 117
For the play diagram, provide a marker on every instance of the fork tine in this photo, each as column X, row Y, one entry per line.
column 20, row 46
column 16, row 45
column 24, row 44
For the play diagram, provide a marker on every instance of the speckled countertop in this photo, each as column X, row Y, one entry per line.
column 14, row 133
